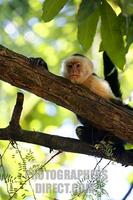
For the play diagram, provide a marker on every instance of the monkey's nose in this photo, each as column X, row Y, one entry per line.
column 74, row 66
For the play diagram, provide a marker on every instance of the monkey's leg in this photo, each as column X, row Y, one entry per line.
column 111, row 75
column 101, row 138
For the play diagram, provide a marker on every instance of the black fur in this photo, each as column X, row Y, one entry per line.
column 111, row 75
column 90, row 134
column 78, row 54
column 38, row 62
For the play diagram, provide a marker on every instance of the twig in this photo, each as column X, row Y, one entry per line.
column 4, row 173
column 40, row 168
column 25, row 170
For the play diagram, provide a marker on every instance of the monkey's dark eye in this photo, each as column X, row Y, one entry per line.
column 78, row 65
column 69, row 66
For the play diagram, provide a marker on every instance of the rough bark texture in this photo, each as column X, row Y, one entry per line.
column 17, row 70
column 62, row 144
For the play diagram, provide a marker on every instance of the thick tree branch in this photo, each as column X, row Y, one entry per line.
column 14, row 132
column 16, row 70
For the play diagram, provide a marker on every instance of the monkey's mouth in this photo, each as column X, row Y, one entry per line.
column 74, row 76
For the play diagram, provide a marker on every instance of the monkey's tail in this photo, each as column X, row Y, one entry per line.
column 111, row 75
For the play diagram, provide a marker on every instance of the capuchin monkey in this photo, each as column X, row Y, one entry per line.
column 79, row 70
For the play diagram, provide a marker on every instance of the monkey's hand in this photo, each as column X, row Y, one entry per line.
column 38, row 63
column 84, row 134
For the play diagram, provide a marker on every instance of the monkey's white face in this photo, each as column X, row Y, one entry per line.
column 77, row 69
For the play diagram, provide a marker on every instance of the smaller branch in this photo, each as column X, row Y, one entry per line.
column 17, row 111
column 129, row 191
column 62, row 143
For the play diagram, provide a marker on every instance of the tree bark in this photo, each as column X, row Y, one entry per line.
column 61, row 143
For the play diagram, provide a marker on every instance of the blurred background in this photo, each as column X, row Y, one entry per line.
column 22, row 30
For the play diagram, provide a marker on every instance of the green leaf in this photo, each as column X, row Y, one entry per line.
column 51, row 8
column 126, row 24
column 112, row 40
column 88, row 16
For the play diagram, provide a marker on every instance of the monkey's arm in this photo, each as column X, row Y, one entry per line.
column 38, row 62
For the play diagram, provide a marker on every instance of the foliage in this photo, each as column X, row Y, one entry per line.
column 50, row 10
column 92, row 187
column 89, row 13
column 26, row 169
column 88, row 16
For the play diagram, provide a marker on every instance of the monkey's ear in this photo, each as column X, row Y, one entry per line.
column 38, row 62
column 63, row 68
